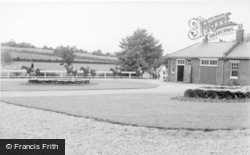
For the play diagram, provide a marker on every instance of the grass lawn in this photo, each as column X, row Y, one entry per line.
column 145, row 109
column 94, row 85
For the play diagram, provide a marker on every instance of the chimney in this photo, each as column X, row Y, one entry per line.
column 240, row 33
column 205, row 40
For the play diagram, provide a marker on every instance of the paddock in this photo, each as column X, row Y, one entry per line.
column 123, row 116
column 131, row 102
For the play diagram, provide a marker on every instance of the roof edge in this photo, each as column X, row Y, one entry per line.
column 183, row 49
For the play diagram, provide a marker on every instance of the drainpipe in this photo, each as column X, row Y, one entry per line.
column 222, row 71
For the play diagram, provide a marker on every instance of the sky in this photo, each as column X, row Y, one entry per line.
column 93, row 25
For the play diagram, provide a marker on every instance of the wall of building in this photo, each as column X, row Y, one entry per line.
column 244, row 72
column 195, row 75
column 226, row 72
column 172, row 76
column 219, row 72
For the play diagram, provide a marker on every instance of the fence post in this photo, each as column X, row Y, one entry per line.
column 8, row 74
column 105, row 76
column 61, row 75
column 129, row 75
column 45, row 74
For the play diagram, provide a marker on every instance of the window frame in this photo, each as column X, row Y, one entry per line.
column 181, row 64
column 209, row 62
column 233, row 69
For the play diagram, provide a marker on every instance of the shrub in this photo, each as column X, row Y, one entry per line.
column 189, row 93
column 229, row 95
column 200, row 93
column 211, row 94
column 240, row 95
column 247, row 94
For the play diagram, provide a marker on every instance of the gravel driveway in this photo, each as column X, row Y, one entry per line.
column 93, row 137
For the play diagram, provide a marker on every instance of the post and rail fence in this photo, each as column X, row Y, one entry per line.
column 62, row 74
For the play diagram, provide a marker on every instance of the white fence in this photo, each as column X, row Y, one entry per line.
column 59, row 74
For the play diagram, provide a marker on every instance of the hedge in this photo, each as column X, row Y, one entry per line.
column 219, row 94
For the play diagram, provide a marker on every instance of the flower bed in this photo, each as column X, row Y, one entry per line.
column 57, row 81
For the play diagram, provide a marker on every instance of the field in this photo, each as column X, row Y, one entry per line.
column 44, row 51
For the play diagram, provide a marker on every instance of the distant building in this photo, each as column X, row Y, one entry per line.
column 162, row 72
column 212, row 62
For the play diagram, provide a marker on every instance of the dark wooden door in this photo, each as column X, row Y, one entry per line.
column 180, row 73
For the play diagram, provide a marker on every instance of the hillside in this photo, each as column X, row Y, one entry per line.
column 43, row 55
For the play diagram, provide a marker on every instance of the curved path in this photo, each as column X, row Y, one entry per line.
column 163, row 87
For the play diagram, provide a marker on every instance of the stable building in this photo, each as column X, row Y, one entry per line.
column 212, row 62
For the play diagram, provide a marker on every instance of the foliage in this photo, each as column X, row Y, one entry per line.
column 66, row 53
column 12, row 43
column 140, row 49
column 189, row 93
column 6, row 58
column 98, row 52
column 213, row 94
column 47, row 48
column 81, row 51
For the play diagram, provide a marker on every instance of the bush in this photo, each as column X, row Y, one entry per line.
column 212, row 94
column 189, row 93
column 247, row 94
column 240, row 95
column 200, row 93
column 229, row 95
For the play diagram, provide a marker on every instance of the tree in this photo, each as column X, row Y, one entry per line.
column 45, row 47
column 98, row 52
column 140, row 49
column 6, row 58
column 66, row 53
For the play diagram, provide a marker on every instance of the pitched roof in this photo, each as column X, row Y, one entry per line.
column 241, row 51
column 205, row 50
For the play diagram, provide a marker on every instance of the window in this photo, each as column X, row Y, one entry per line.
column 213, row 62
column 208, row 62
column 234, row 70
column 204, row 62
column 180, row 62
column 188, row 62
column 172, row 66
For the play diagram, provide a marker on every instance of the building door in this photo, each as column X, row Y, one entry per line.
column 187, row 74
column 180, row 73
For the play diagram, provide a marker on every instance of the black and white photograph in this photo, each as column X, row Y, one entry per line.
column 166, row 77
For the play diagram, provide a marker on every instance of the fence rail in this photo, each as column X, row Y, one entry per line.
column 60, row 74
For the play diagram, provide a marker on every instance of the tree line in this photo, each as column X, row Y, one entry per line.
column 140, row 50
column 12, row 43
